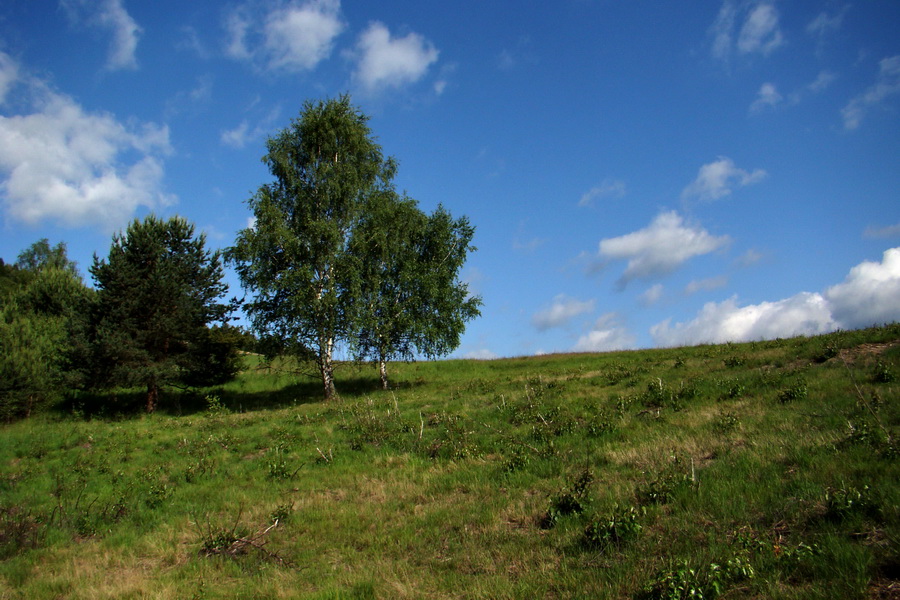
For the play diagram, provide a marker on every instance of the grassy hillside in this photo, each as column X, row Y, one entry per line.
column 765, row 470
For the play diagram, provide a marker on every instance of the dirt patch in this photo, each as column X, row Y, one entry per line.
column 864, row 352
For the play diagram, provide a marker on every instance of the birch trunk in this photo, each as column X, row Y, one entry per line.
column 382, row 368
column 327, row 368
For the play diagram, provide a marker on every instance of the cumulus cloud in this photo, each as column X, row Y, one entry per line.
column 63, row 164
column 887, row 86
column 385, row 61
column 867, row 296
column 608, row 188
column 803, row 314
column 767, row 97
column 606, row 335
column 290, row 36
column 660, row 248
column 111, row 15
column 717, row 179
column 755, row 26
column 870, row 295
column 563, row 310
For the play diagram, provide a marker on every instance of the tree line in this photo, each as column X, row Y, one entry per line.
column 334, row 256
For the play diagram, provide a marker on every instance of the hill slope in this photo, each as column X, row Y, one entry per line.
column 762, row 470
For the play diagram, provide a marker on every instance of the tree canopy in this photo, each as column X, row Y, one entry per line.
column 335, row 255
column 158, row 293
column 44, row 308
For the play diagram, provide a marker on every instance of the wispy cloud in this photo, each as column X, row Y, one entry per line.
column 882, row 232
column 886, row 87
column 561, row 312
column 9, row 75
column 822, row 81
column 717, row 179
column 705, row 285
column 385, row 61
column 745, row 28
column 608, row 188
column 761, row 32
column 867, row 296
column 110, row 15
column 62, row 163
column 245, row 133
column 767, row 97
column 662, row 247
column 652, row 295
column 825, row 23
column 290, row 36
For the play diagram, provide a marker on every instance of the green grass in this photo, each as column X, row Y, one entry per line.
column 762, row 470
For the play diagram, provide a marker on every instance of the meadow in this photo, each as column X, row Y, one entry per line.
column 757, row 470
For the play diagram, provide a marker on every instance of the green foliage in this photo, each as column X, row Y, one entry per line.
column 408, row 298
column 336, row 256
column 847, row 500
column 703, row 582
column 884, row 373
column 797, row 391
column 158, row 292
column 40, row 255
column 572, row 500
column 621, row 525
column 296, row 259
column 662, row 487
column 43, row 333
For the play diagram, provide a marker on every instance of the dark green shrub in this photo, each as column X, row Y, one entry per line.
column 613, row 529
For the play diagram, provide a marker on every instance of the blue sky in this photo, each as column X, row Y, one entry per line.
column 640, row 173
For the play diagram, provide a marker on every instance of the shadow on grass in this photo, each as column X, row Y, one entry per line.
column 123, row 404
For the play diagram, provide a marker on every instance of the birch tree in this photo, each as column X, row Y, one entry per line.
column 295, row 257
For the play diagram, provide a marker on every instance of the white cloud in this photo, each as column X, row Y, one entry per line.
column 9, row 75
column 767, row 97
column 825, row 24
column 823, row 80
column 384, row 61
column 701, row 285
column 298, row 37
column 660, row 248
column 111, row 15
column 63, row 164
column 716, row 180
column 290, row 36
column 867, row 296
column 749, row 258
column 888, row 85
column 882, row 232
column 760, row 32
column 652, row 295
column 608, row 188
column 870, row 295
column 563, row 310
column 722, row 30
column 803, row 314
column 481, row 354
column 606, row 335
